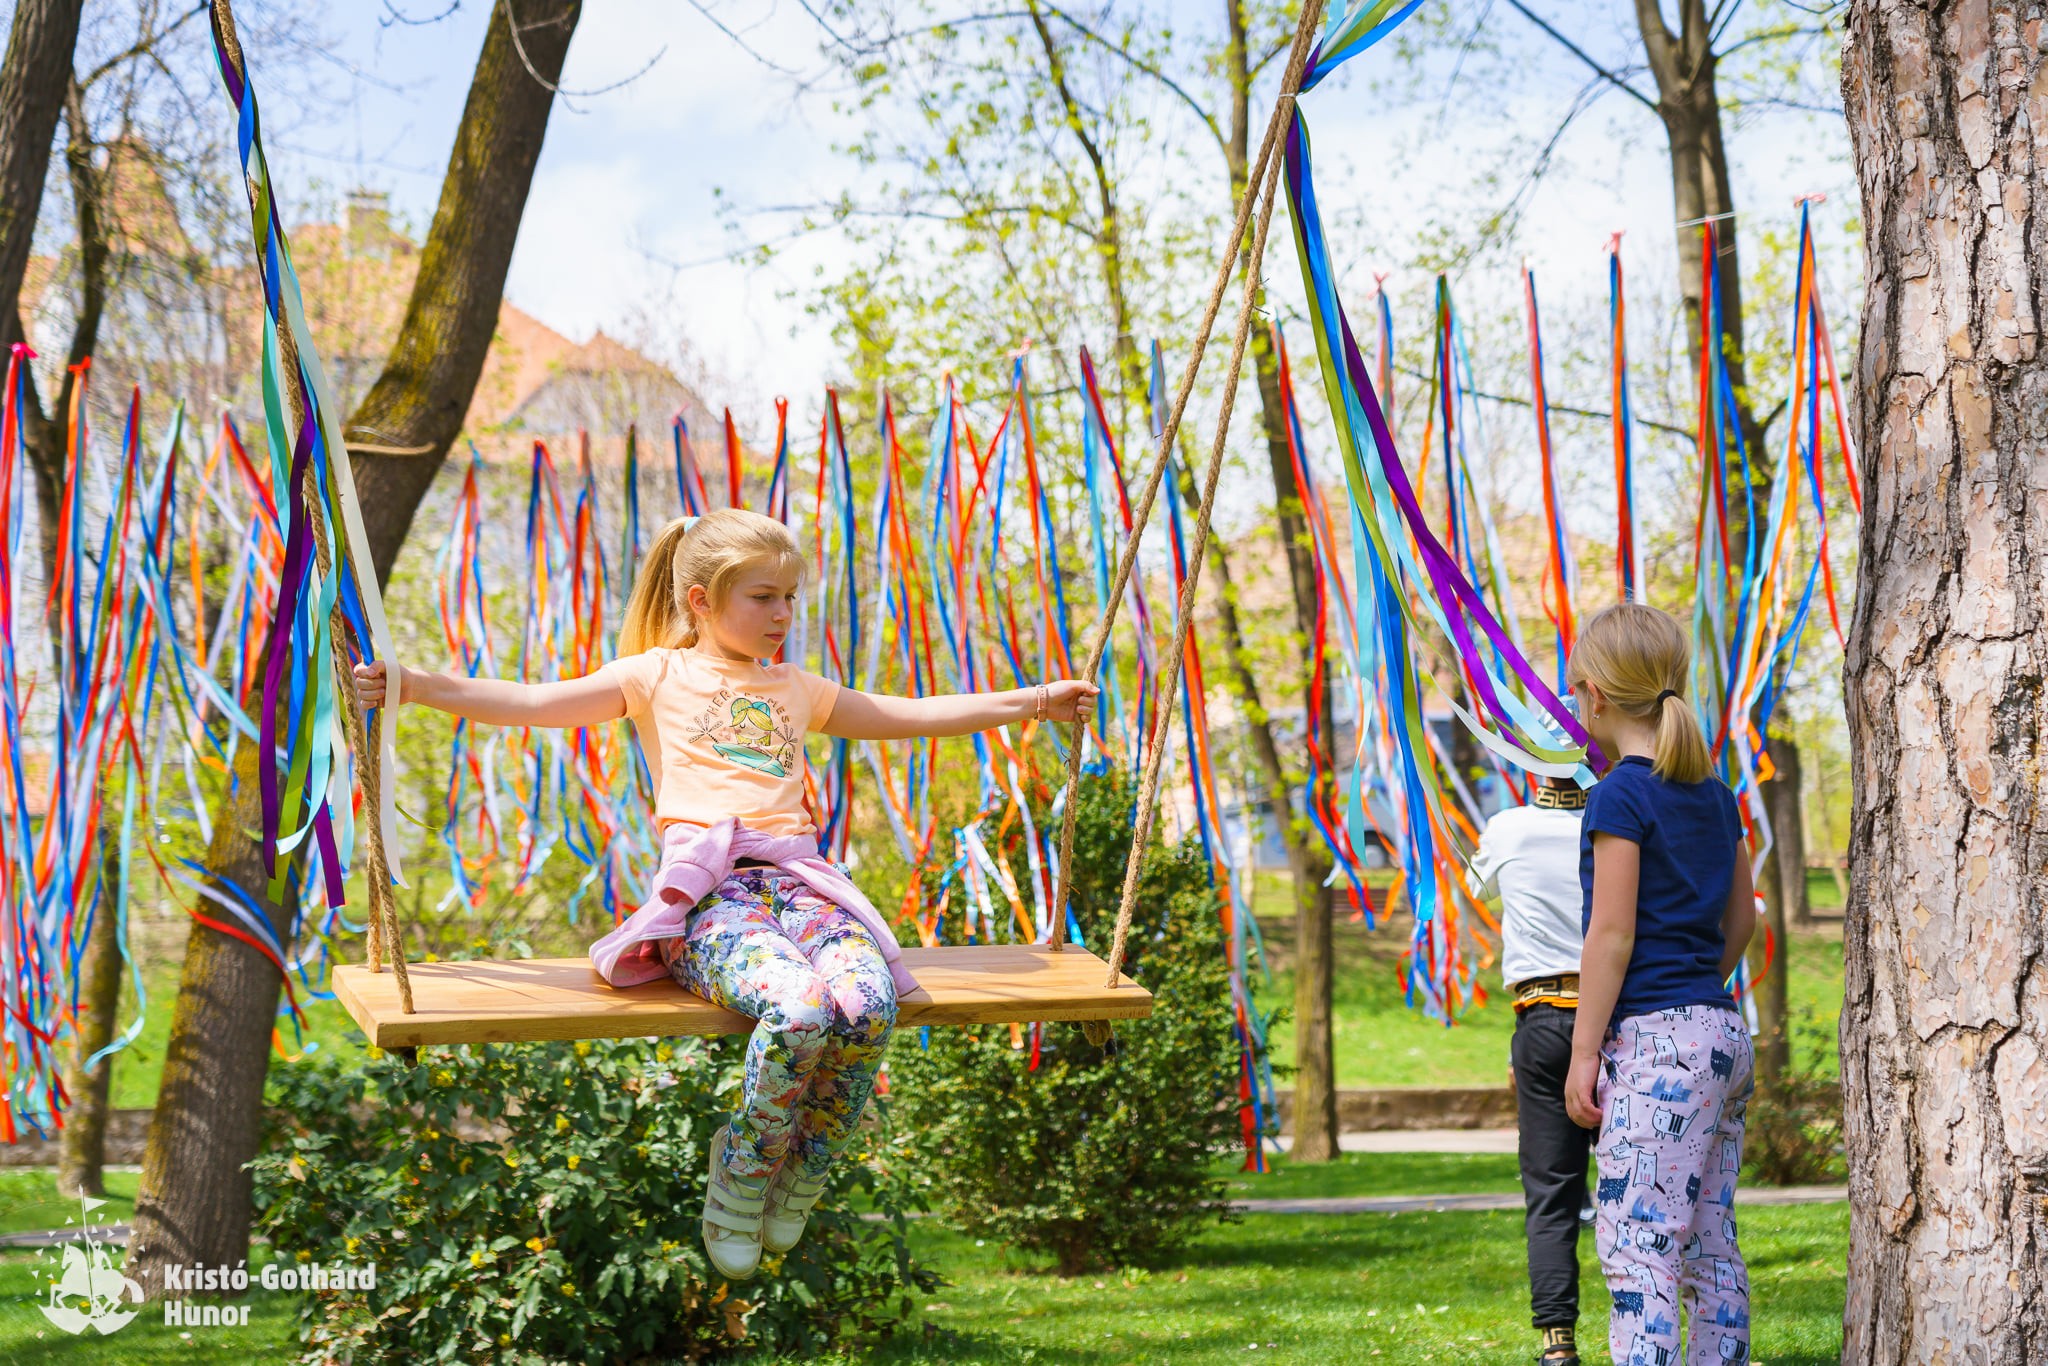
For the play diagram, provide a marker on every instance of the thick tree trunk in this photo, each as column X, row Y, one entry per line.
column 1945, row 1026
column 33, row 79
column 194, row 1200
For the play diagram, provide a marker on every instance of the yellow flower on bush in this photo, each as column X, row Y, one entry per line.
column 476, row 1259
column 664, row 1053
column 561, row 1124
column 537, row 1245
column 351, row 1245
column 583, row 1048
column 568, row 1288
column 511, row 1159
column 575, row 1161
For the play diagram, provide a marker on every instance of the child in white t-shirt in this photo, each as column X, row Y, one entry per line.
column 1529, row 859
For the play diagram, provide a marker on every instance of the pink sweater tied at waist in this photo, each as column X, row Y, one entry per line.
column 694, row 860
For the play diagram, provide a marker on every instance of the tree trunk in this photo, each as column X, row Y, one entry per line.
column 81, row 1162
column 1689, row 104
column 1784, row 795
column 1772, row 983
column 33, row 79
column 419, row 401
column 1315, row 1057
column 194, row 1201
column 1945, row 1025
column 46, row 443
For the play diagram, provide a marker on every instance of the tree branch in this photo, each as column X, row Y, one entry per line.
column 1616, row 81
column 144, row 46
column 1137, row 64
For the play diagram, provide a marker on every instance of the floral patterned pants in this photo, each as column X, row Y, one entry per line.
column 1674, row 1088
column 764, row 944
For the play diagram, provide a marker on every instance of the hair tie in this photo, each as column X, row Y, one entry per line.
column 1668, row 692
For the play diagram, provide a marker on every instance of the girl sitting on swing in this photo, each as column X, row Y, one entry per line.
column 744, row 911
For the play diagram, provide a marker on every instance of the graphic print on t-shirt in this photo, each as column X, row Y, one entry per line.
column 753, row 732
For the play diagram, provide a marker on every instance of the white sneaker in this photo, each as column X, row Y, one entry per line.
column 790, row 1198
column 732, row 1218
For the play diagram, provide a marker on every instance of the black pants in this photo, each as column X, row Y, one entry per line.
column 1553, row 1151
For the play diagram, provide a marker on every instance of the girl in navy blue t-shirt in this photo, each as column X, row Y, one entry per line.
column 1661, row 1063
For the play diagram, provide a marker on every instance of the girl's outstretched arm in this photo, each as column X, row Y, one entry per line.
column 877, row 716
column 572, row 702
column 1610, row 943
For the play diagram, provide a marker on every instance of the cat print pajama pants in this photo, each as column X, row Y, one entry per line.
column 764, row 944
column 1674, row 1086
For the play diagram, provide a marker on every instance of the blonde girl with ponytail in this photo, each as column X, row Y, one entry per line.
column 1661, row 1063
column 744, row 911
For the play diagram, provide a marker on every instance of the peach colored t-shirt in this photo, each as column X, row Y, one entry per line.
column 724, row 737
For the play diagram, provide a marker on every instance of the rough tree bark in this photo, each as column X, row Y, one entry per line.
column 1945, row 1026
column 194, row 1200
column 33, row 79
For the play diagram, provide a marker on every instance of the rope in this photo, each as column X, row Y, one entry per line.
column 1264, row 171
column 384, row 936
column 1184, row 610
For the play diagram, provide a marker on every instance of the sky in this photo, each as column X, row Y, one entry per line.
column 644, row 190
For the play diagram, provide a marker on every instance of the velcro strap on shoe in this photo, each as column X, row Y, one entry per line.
column 739, row 1199
column 798, row 1196
column 749, row 1224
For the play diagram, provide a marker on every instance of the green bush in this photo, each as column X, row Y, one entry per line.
column 1793, row 1132
column 541, row 1202
column 1095, row 1158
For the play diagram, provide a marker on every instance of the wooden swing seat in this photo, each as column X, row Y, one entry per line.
column 525, row 1000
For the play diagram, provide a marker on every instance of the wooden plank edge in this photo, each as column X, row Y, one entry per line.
column 421, row 1031
column 399, row 1030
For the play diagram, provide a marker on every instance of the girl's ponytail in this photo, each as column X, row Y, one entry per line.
column 655, row 615
column 1681, row 755
column 1640, row 658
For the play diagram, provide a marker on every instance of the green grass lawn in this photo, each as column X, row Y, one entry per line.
column 29, row 1200
column 1409, row 1288
column 1358, row 1174
column 1383, row 1288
